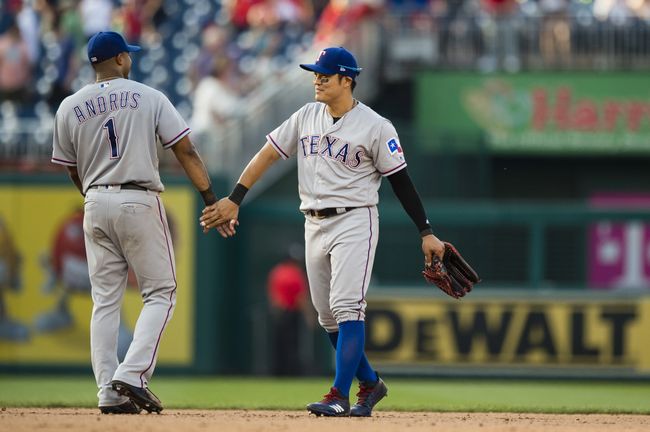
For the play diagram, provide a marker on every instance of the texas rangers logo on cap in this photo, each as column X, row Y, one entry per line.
column 393, row 146
column 335, row 60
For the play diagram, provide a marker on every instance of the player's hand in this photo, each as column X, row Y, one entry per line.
column 432, row 245
column 228, row 229
column 222, row 212
column 208, row 209
column 212, row 210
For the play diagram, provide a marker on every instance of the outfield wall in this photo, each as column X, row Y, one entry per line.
column 530, row 323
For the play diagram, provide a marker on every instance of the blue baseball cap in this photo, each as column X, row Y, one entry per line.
column 334, row 60
column 105, row 45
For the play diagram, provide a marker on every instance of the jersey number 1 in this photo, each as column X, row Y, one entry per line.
column 109, row 126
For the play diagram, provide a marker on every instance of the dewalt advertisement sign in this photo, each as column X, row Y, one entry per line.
column 537, row 113
column 573, row 334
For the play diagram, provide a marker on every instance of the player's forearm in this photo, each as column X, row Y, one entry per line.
column 253, row 171
column 410, row 199
column 258, row 166
column 195, row 169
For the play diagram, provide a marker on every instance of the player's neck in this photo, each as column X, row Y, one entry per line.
column 338, row 108
column 100, row 78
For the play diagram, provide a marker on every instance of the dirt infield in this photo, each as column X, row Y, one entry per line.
column 87, row 420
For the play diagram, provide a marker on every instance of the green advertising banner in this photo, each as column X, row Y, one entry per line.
column 585, row 113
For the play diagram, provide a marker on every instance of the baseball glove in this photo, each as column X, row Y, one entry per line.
column 452, row 274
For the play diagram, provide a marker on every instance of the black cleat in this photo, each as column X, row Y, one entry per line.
column 333, row 405
column 127, row 407
column 141, row 396
column 368, row 397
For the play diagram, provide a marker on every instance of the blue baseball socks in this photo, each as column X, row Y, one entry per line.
column 351, row 360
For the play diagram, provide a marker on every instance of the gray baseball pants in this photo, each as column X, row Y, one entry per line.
column 339, row 255
column 127, row 228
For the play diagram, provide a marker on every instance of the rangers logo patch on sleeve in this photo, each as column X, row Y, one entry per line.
column 393, row 146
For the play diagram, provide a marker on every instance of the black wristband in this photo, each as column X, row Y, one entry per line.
column 238, row 193
column 426, row 232
column 208, row 196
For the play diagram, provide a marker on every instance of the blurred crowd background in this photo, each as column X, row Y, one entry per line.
column 212, row 57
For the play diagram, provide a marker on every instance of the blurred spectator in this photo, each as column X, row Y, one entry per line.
column 238, row 12
column 555, row 32
column 45, row 10
column 616, row 11
column 457, row 31
column 28, row 22
column 292, row 11
column 290, row 309
column 70, row 25
column 136, row 18
column 8, row 11
column 259, row 37
column 214, row 40
column 15, row 67
column 64, row 60
column 96, row 16
column 499, row 25
column 270, row 38
column 318, row 6
column 340, row 17
column 130, row 16
column 215, row 103
column 640, row 8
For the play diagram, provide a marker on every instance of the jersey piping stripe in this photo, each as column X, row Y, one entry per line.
column 365, row 272
column 277, row 147
column 176, row 138
column 394, row 169
column 171, row 295
column 64, row 162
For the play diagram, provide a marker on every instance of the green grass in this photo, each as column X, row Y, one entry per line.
column 293, row 394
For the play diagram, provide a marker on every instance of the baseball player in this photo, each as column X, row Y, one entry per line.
column 343, row 150
column 106, row 135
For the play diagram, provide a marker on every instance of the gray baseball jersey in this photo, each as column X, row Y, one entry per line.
column 109, row 131
column 123, row 118
column 339, row 165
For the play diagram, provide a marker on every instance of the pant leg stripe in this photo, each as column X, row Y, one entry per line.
column 365, row 271
column 171, row 294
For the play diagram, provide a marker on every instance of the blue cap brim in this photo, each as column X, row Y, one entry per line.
column 318, row 69
column 133, row 48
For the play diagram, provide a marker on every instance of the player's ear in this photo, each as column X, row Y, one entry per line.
column 119, row 59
